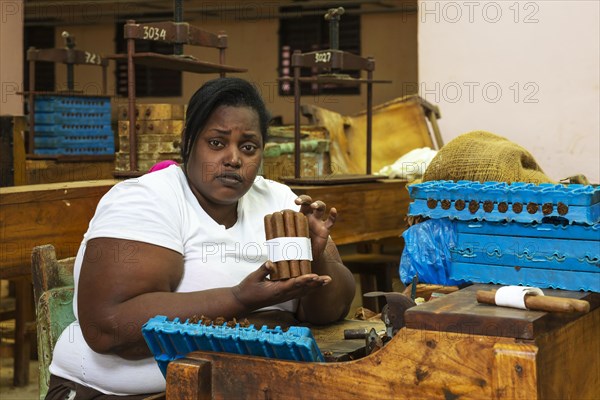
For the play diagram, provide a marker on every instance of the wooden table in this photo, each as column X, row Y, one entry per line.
column 32, row 215
column 472, row 359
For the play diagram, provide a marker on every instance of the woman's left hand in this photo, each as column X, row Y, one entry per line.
column 319, row 224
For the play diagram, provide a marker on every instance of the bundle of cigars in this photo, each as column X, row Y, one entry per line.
column 287, row 223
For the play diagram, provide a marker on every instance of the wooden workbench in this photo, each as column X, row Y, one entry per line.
column 458, row 360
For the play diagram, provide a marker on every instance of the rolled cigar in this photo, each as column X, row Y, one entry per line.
column 301, row 223
column 289, row 223
column 283, row 266
column 269, row 235
column 541, row 303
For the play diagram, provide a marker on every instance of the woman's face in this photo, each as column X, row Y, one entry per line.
column 226, row 156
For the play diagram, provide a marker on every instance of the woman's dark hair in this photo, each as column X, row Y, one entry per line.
column 218, row 92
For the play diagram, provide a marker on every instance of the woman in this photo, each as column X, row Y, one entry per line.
column 185, row 241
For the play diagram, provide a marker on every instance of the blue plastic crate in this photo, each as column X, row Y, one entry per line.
column 73, row 130
column 71, row 103
column 103, row 149
column 58, row 141
column 545, row 255
column 73, row 118
column 69, row 139
column 75, row 147
column 549, row 247
column 171, row 340
column 514, row 275
column 574, row 194
column 499, row 201
column 548, row 230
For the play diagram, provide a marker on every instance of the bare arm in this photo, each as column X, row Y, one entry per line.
column 124, row 283
column 332, row 302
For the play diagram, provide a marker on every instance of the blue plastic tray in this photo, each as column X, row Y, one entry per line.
column 574, row 194
column 524, row 252
column 551, row 231
column 74, row 139
column 79, row 151
column 545, row 255
column 72, row 117
column 71, row 103
column 171, row 340
column 499, row 201
column 72, row 130
column 538, row 277
column 69, row 141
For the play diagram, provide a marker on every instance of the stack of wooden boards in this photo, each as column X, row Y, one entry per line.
column 158, row 131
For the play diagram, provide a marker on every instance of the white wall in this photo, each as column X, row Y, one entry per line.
column 11, row 59
column 526, row 70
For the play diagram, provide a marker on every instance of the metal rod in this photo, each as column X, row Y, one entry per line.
column 104, row 82
column 178, row 17
column 333, row 15
column 70, row 44
column 70, row 78
column 222, row 36
column 297, row 159
column 31, row 135
column 131, row 102
column 369, row 117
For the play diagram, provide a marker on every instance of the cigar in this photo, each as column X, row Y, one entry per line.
column 301, row 223
column 289, row 222
column 283, row 266
column 269, row 234
column 541, row 303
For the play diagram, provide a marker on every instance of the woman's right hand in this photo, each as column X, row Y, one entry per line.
column 256, row 291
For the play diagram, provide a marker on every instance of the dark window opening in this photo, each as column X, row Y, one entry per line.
column 40, row 37
column 307, row 30
column 149, row 82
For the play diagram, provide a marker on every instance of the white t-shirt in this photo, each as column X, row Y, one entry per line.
column 159, row 208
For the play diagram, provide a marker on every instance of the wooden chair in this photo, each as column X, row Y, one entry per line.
column 53, row 296
column 53, row 289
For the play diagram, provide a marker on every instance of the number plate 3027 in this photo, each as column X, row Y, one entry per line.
column 323, row 57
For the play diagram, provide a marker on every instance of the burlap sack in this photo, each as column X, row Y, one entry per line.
column 482, row 156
